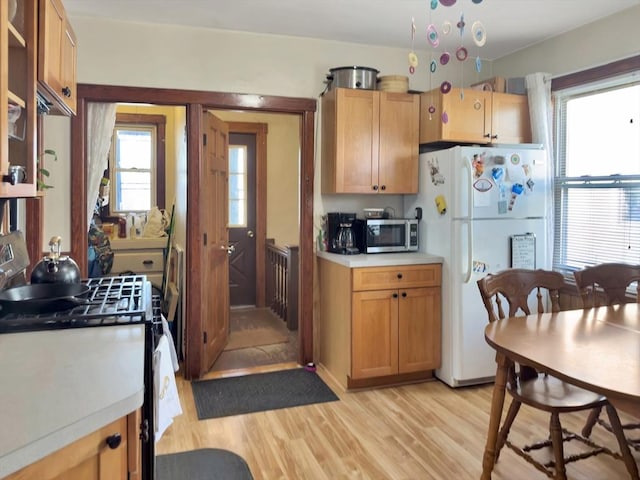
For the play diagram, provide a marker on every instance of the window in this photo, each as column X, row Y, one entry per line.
column 237, row 186
column 597, row 178
column 136, row 163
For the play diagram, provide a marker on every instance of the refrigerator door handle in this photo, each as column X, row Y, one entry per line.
column 469, row 271
column 467, row 166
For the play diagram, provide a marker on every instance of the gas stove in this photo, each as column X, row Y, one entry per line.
column 109, row 301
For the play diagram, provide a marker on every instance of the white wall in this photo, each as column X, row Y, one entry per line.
column 612, row 38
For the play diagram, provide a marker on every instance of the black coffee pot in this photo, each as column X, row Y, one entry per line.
column 55, row 268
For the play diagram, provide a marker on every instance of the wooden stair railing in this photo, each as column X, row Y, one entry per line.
column 282, row 282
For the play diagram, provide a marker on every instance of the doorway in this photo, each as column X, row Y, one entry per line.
column 196, row 102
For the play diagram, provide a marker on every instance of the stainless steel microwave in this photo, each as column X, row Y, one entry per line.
column 384, row 235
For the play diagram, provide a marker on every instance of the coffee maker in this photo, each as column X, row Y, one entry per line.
column 344, row 235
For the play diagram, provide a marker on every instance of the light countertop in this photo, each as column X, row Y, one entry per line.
column 60, row 385
column 380, row 259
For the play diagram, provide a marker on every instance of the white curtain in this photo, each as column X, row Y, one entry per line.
column 541, row 115
column 101, row 119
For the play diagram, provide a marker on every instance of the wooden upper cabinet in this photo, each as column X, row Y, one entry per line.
column 57, row 57
column 18, row 99
column 369, row 141
column 474, row 116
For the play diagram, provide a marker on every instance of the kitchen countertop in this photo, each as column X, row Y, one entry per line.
column 59, row 385
column 380, row 259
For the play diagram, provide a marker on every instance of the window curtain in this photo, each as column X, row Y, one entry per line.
column 541, row 117
column 101, row 119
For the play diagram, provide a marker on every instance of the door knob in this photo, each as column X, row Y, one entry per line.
column 230, row 249
column 250, row 233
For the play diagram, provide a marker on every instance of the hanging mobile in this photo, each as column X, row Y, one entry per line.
column 413, row 58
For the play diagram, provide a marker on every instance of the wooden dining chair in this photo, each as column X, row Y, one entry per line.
column 604, row 285
column 507, row 294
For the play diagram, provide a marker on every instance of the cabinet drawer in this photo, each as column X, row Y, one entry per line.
column 140, row 261
column 402, row 276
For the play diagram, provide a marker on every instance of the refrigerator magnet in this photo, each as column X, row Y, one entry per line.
column 483, row 185
column 441, row 204
column 434, row 171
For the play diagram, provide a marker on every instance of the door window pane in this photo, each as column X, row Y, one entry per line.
column 237, row 186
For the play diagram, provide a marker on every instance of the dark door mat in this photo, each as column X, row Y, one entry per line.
column 222, row 397
column 203, row 464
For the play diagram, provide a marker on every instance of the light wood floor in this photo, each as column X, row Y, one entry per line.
column 413, row 432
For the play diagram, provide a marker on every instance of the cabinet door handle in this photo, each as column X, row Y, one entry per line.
column 399, row 275
column 383, row 187
column 404, row 294
column 495, row 137
column 113, row 441
column 375, row 187
column 66, row 91
column 487, row 135
column 395, row 295
column 147, row 262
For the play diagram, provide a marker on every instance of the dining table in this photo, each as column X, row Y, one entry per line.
column 596, row 348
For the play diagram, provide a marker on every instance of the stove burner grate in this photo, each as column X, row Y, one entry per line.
column 110, row 301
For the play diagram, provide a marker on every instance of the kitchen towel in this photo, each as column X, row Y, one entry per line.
column 165, row 389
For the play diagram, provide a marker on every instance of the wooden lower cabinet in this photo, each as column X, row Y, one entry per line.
column 379, row 325
column 97, row 456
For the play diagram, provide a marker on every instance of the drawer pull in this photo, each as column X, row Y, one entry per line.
column 399, row 275
column 147, row 262
column 114, row 441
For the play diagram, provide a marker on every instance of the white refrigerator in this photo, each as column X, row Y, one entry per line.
column 483, row 210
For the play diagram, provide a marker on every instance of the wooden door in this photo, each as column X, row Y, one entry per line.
column 510, row 121
column 242, row 218
column 374, row 334
column 357, row 139
column 398, row 151
column 418, row 329
column 216, row 241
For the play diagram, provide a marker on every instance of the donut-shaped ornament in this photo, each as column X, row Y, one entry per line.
column 432, row 109
column 476, row 1
column 445, row 87
column 461, row 54
column 432, row 35
column 444, row 58
column 446, row 27
column 478, row 64
column 413, row 59
column 433, row 66
column 434, row 4
column 448, row 3
column 478, row 33
column 445, row 117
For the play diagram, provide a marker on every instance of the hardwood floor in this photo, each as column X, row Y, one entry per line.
column 258, row 320
column 412, row 432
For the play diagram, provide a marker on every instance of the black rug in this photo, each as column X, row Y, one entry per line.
column 222, row 397
column 203, row 464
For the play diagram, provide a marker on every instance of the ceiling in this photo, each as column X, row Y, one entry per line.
column 509, row 25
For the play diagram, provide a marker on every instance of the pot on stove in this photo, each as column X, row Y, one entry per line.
column 55, row 268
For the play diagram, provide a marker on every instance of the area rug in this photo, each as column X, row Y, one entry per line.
column 223, row 397
column 254, row 337
column 203, row 464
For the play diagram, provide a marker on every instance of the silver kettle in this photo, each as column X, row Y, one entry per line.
column 55, row 268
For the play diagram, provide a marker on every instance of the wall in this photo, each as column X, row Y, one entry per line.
column 283, row 167
column 612, row 38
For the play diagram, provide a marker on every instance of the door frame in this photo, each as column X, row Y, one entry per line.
column 196, row 101
column 260, row 130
